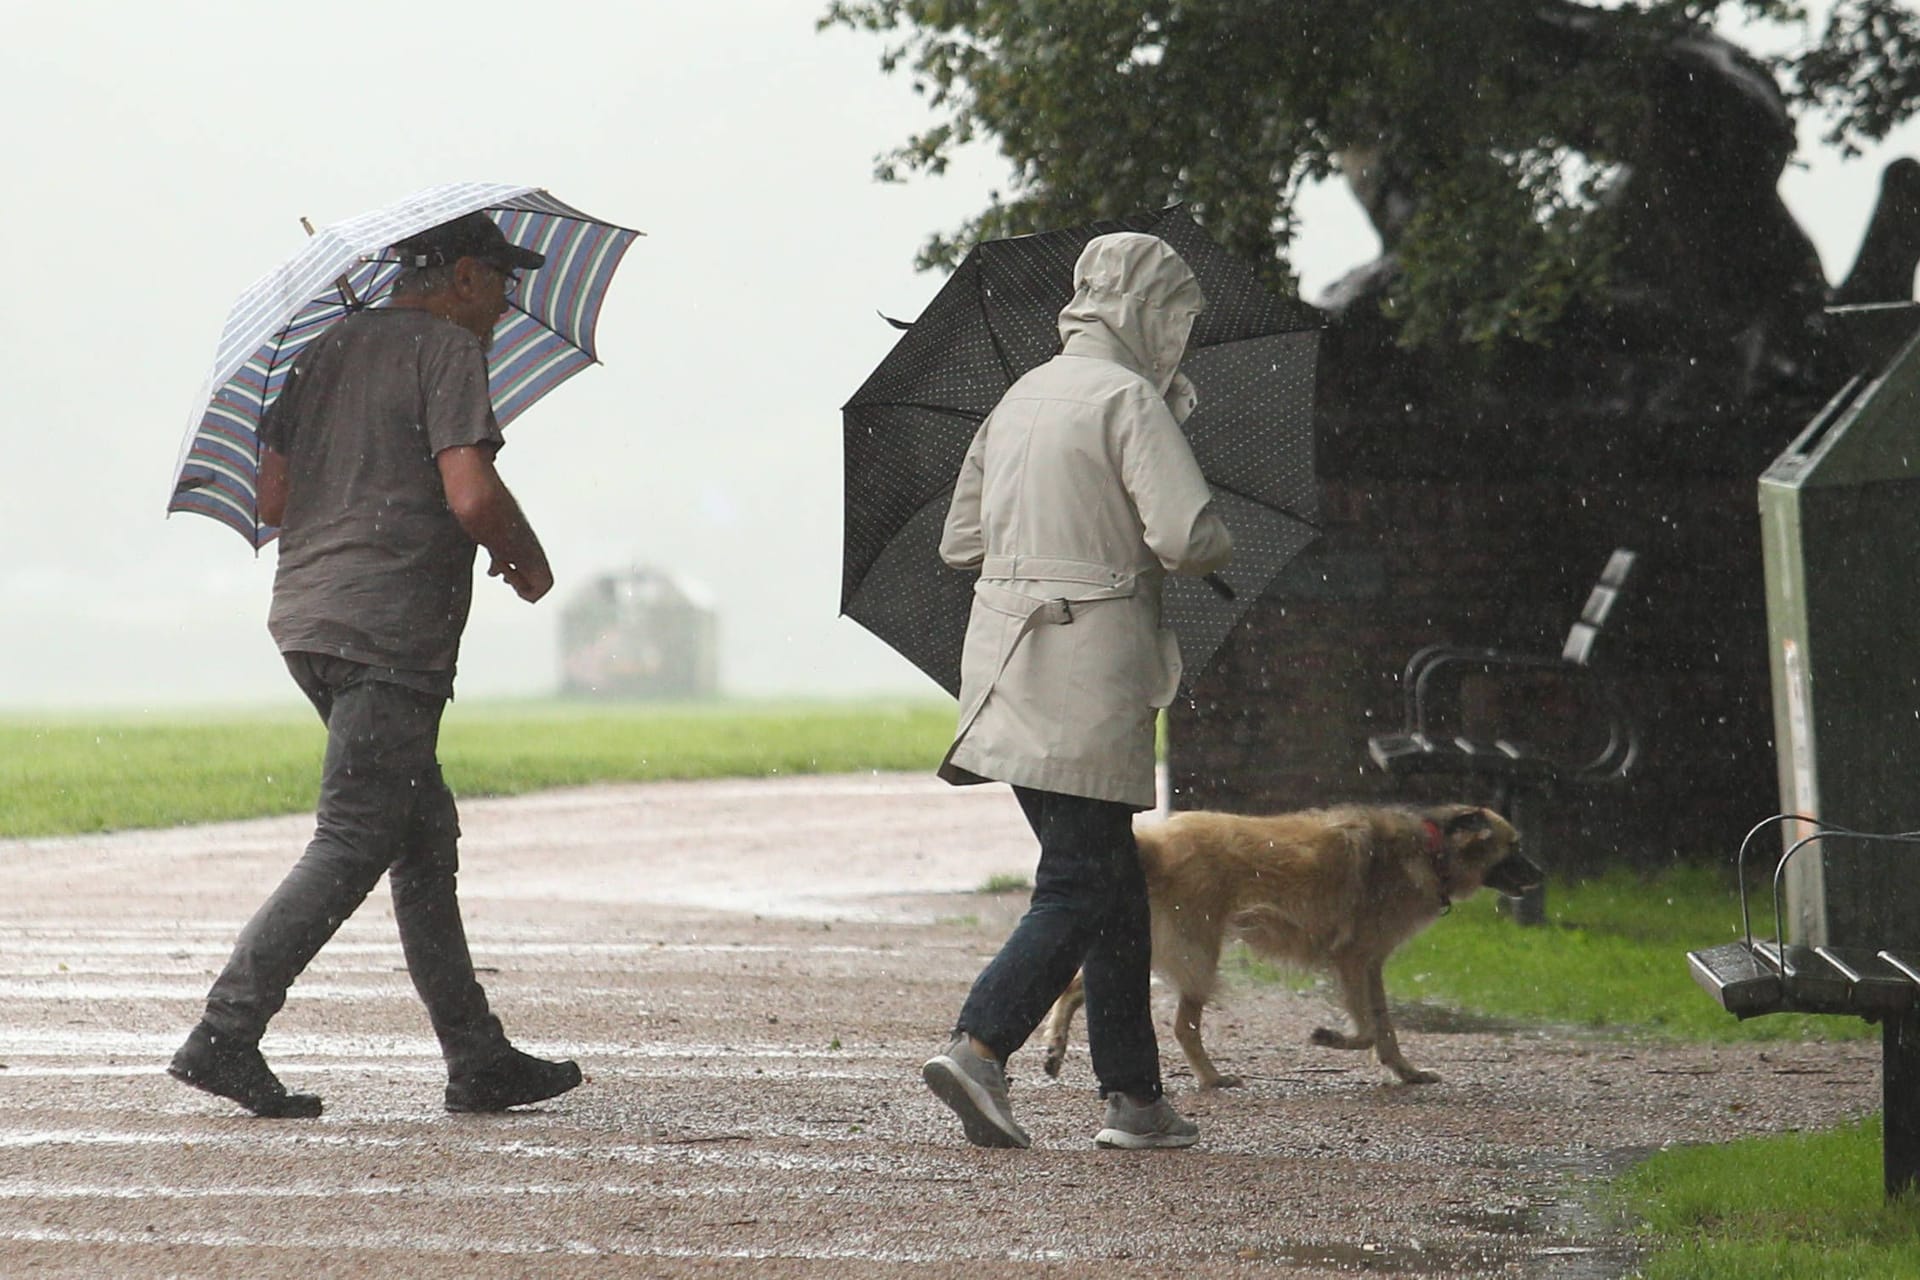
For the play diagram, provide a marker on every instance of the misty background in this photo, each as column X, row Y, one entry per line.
column 160, row 159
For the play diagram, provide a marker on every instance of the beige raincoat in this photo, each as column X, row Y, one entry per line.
column 1078, row 495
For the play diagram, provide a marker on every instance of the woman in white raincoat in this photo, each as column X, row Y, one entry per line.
column 1078, row 495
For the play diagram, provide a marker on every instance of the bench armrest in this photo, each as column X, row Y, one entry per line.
column 1435, row 670
column 1427, row 667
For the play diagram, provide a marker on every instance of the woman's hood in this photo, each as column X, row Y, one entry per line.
column 1135, row 291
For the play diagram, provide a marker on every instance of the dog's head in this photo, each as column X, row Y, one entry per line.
column 1482, row 848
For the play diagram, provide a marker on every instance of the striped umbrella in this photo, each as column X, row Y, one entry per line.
column 545, row 338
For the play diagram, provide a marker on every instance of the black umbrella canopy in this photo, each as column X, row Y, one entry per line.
column 906, row 431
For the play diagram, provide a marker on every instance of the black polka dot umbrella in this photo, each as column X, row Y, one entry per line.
column 907, row 428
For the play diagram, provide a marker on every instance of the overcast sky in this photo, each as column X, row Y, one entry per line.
column 160, row 158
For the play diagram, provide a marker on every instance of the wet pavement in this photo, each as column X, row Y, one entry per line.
column 751, row 974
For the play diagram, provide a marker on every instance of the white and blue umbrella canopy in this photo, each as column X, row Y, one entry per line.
column 547, row 335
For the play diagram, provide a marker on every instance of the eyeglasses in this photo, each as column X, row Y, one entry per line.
column 508, row 280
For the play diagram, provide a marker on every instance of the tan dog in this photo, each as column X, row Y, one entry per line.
column 1330, row 889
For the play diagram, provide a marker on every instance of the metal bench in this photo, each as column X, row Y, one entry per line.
column 1518, row 773
column 1752, row 977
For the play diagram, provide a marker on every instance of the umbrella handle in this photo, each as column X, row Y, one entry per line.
column 1219, row 584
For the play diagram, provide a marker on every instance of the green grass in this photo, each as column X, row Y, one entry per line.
column 1612, row 956
column 64, row 775
column 1778, row 1208
column 507, row 750
column 60, row 776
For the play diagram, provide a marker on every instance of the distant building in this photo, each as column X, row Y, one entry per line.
column 641, row 633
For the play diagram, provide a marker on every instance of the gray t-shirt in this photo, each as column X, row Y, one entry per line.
column 373, row 566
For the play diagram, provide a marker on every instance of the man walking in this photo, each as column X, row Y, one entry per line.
column 378, row 466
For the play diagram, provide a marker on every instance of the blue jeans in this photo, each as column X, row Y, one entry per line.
column 1088, row 912
column 384, row 809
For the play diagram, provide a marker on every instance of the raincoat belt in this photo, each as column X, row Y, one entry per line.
column 1044, row 610
column 1052, row 569
column 1098, row 582
column 1101, row 583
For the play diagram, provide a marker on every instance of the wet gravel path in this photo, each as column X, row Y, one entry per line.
column 751, row 974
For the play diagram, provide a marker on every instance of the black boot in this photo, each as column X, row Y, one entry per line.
column 511, row 1080
column 234, row 1069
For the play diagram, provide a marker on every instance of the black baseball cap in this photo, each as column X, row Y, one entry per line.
column 472, row 235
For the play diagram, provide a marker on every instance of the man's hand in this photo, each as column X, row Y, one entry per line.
column 528, row 584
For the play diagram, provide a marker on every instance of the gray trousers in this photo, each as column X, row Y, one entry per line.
column 384, row 808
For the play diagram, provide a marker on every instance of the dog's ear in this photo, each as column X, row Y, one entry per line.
column 1471, row 823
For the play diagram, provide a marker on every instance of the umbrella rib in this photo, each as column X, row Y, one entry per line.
column 515, row 302
column 986, row 318
column 550, row 331
column 946, row 410
column 945, row 495
column 1288, row 512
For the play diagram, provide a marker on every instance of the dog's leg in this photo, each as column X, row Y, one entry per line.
column 1387, row 1045
column 1351, row 977
column 1059, row 1024
column 1186, row 1029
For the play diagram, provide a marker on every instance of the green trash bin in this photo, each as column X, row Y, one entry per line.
column 1840, row 523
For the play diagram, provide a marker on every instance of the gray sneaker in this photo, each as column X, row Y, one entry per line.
column 976, row 1089
column 1138, row 1127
